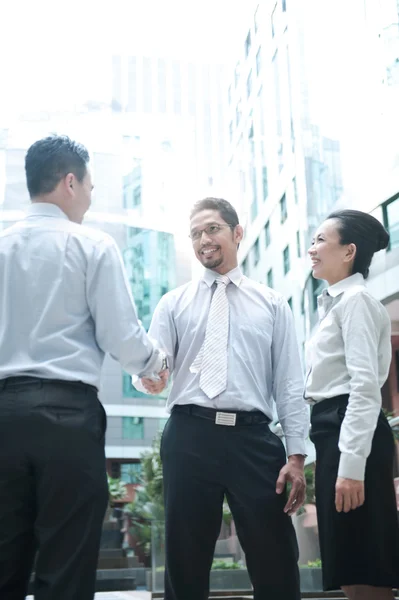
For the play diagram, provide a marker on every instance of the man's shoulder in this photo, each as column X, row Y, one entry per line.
column 96, row 236
column 181, row 291
column 263, row 290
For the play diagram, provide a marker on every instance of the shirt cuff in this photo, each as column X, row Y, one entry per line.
column 156, row 368
column 136, row 381
column 352, row 466
column 295, row 445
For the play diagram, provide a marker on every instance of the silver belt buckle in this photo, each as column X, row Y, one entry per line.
column 223, row 418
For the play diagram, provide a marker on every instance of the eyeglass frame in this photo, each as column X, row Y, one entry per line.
column 198, row 234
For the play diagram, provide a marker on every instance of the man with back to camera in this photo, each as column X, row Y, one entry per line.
column 64, row 303
column 232, row 348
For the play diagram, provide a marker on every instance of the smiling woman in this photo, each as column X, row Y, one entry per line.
column 348, row 361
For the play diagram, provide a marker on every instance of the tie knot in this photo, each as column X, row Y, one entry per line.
column 222, row 279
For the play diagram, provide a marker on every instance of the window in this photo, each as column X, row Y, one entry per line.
column 274, row 15
column 317, row 287
column 238, row 113
column 231, row 131
column 294, row 188
column 162, row 85
column 256, row 16
column 258, row 61
column 397, row 369
column 248, row 44
column 132, row 428
column 283, row 209
column 265, row 185
column 249, row 84
column 229, row 94
column 270, row 278
column 284, row 5
column 391, row 221
column 137, row 196
column 290, row 304
column 131, row 472
column 267, row 234
column 237, row 74
column 245, row 266
column 298, row 244
column 256, row 252
column 286, row 259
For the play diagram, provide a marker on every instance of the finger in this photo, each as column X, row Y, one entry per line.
column 361, row 497
column 301, row 495
column 347, row 501
column 297, row 497
column 338, row 501
column 280, row 484
column 292, row 499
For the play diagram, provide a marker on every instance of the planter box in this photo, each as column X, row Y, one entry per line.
column 311, row 579
column 220, row 579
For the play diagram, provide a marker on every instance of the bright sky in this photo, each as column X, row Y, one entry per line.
column 53, row 53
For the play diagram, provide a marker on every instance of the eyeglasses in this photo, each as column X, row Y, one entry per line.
column 210, row 230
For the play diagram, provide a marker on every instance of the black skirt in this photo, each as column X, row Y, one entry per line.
column 360, row 547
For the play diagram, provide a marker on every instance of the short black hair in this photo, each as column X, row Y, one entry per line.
column 363, row 230
column 226, row 210
column 50, row 159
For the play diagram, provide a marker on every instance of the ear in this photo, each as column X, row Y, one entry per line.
column 350, row 253
column 238, row 234
column 69, row 182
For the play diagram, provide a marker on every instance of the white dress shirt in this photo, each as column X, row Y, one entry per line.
column 65, row 301
column 350, row 353
column 263, row 356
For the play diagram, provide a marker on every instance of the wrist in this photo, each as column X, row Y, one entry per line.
column 298, row 459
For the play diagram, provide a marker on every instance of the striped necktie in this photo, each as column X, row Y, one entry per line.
column 212, row 358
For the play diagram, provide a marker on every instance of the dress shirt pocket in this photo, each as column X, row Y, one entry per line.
column 251, row 342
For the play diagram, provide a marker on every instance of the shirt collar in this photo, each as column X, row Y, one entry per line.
column 235, row 276
column 339, row 288
column 45, row 209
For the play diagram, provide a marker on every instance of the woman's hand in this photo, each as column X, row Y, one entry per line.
column 349, row 494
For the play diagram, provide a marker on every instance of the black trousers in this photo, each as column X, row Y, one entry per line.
column 53, row 488
column 202, row 462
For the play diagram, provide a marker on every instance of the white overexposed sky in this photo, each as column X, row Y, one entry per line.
column 55, row 53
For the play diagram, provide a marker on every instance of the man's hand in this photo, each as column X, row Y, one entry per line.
column 156, row 387
column 349, row 494
column 293, row 472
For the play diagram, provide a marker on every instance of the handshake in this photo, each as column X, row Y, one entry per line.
column 156, row 383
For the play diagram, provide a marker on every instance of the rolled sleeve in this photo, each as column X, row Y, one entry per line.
column 288, row 381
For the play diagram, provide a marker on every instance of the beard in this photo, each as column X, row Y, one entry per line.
column 214, row 264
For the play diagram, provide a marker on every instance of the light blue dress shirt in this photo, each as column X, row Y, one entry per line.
column 65, row 301
column 263, row 355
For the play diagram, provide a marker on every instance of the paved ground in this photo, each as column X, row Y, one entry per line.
column 118, row 596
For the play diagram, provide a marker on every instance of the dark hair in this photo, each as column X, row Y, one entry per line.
column 52, row 158
column 226, row 210
column 363, row 230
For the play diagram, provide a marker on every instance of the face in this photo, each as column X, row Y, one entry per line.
column 80, row 196
column 331, row 260
column 215, row 248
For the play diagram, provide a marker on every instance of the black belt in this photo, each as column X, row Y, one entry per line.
column 13, row 383
column 225, row 417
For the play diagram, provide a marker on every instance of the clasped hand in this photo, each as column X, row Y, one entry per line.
column 156, row 387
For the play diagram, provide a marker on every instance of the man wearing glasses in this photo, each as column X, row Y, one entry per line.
column 232, row 350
